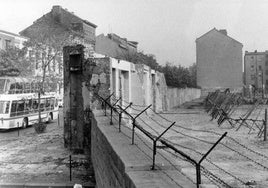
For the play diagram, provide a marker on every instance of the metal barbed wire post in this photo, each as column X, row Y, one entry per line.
column 265, row 126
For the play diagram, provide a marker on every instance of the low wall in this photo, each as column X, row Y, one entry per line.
column 118, row 164
column 176, row 96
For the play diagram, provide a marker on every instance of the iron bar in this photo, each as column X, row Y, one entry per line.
column 155, row 141
column 120, row 114
column 265, row 126
column 134, row 122
column 70, row 163
column 204, row 156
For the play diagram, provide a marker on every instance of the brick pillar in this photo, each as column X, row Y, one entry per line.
column 73, row 57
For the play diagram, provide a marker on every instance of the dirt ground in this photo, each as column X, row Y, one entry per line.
column 239, row 159
column 41, row 158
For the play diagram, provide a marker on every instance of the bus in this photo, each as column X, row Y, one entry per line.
column 19, row 103
column 21, row 110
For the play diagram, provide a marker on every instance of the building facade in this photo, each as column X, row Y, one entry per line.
column 59, row 26
column 256, row 69
column 115, row 46
column 8, row 39
column 62, row 23
column 219, row 62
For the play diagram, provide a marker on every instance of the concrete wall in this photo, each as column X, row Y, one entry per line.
column 178, row 96
column 118, row 164
column 136, row 83
column 219, row 61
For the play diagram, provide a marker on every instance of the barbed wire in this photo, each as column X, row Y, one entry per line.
column 212, row 132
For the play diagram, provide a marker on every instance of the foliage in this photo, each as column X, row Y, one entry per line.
column 140, row 58
column 40, row 127
column 176, row 76
column 45, row 46
column 179, row 76
column 13, row 62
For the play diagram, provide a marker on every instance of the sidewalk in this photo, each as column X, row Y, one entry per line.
column 34, row 160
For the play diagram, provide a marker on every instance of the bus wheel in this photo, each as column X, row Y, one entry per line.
column 25, row 123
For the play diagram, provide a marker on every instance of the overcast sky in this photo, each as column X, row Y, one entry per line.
column 165, row 28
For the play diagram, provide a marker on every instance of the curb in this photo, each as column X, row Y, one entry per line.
column 43, row 185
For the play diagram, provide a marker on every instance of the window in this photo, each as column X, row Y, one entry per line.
column 4, row 107
column 48, row 104
column 13, row 108
column 20, row 107
column 252, row 67
column 35, row 106
column 8, row 43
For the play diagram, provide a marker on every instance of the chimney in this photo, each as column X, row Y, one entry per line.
column 223, row 31
column 56, row 13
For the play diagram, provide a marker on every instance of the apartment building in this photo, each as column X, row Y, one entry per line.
column 8, row 39
column 219, row 62
column 256, row 69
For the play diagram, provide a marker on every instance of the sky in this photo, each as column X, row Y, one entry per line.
column 165, row 28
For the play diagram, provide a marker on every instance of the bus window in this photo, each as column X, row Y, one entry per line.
column 35, row 106
column 27, row 109
column 19, row 87
column 27, row 88
column 48, row 103
column 32, row 87
column 42, row 104
column 13, row 108
column 12, row 88
column 4, row 107
column 20, row 107
column 7, row 107
column 52, row 101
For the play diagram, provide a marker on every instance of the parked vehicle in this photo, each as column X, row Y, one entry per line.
column 19, row 106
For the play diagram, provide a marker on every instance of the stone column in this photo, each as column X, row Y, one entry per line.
column 73, row 57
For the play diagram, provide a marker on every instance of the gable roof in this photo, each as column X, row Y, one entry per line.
column 50, row 16
column 214, row 29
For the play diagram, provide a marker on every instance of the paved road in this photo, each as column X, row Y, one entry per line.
column 29, row 130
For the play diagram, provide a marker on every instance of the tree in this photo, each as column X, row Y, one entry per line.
column 176, row 76
column 179, row 76
column 45, row 45
column 193, row 77
column 14, row 62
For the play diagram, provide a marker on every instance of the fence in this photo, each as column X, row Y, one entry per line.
column 224, row 106
column 133, row 114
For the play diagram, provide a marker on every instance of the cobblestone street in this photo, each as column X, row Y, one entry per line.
column 33, row 158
